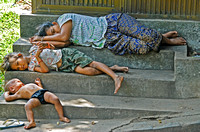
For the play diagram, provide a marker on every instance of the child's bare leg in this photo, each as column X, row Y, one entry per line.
column 90, row 71
column 103, row 68
column 38, row 82
column 174, row 41
column 32, row 103
column 53, row 99
column 119, row 68
column 171, row 34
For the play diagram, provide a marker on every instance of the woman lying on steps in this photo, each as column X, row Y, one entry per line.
column 43, row 58
column 118, row 32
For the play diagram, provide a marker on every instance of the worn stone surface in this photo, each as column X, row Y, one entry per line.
column 92, row 107
column 161, row 60
column 151, row 115
column 190, row 30
column 187, row 29
column 90, row 103
column 187, row 77
column 137, row 83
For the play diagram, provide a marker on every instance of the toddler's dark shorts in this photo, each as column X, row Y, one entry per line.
column 40, row 95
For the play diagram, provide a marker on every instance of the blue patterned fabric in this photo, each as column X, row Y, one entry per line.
column 126, row 35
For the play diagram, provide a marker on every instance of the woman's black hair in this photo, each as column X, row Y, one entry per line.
column 43, row 28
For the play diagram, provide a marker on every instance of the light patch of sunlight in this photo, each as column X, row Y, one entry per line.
column 89, row 122
column 78, row 103
column 82, row 125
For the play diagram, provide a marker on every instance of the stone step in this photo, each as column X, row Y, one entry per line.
column 137, row 83
column 162, row 60
column 29, row 22
column 93, row 107
column 181, row 115
column 184, row 124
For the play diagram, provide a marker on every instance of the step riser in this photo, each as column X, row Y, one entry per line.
column 157, row 61
column 48, row 112
column 58, row 82
column 28, row 23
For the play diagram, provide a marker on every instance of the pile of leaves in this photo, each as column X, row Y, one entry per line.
column 9, row 33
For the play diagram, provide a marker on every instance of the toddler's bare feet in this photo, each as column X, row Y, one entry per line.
column 118, row 82
column 30, row 125
column 65, row 119
column 171, row 34
column 177, row 41
column 119, row 68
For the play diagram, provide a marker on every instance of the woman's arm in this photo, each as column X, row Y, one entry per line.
column 63, row 36
column 9, row 97
column 57, row 44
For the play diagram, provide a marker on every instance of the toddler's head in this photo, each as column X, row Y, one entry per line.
column 13, row 85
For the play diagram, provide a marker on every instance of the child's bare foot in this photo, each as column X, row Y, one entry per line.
column 177, row 41
column 30, row 125
column 171, row 34
column 65, row 119
column 38, row 81
column 119, row 68
column 118, row 82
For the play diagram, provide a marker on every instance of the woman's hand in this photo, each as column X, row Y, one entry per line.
column 45, row 45
column 35, row 38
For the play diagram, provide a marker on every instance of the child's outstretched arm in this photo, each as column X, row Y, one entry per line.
column 38, row 82
column 9, row 97
column 42, row 68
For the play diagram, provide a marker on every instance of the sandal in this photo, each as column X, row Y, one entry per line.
column 10, row 123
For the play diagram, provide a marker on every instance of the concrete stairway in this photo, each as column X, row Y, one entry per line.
column 156, row 89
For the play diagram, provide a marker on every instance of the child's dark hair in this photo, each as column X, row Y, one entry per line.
column 5, row 66
column 43, row 28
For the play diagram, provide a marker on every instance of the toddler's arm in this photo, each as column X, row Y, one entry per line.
column 9, row 97
column 38, row 82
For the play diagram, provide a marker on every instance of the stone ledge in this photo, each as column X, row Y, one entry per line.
column 164, row 60
column 190, row 30
column 137, row 83
column 94, row 107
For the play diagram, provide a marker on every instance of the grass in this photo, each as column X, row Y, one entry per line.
column 9, row 33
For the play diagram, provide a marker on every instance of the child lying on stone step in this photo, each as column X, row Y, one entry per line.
column 15, row 89
column 44, row 58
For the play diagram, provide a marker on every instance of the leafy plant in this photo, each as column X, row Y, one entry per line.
column 9, row 33
column 6, row 1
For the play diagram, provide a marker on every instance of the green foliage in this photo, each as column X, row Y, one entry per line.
column 6, row 1
column 9, row 33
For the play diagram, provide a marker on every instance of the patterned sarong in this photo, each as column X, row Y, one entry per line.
column 126, row 35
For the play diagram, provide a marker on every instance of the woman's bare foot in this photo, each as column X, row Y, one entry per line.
column 30, row 125
column 65, row 119
column 174, row 41
column 119, row 68
column 171, row 34
column 177, row 41
column 118, row 82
